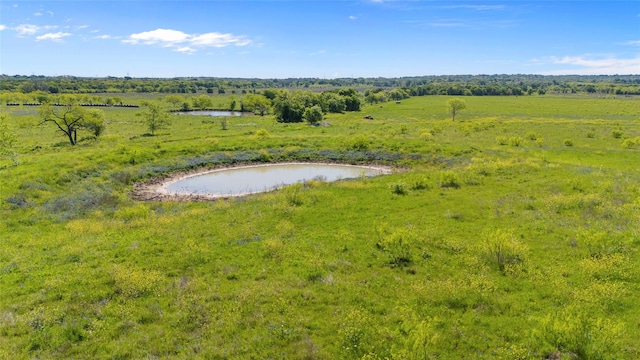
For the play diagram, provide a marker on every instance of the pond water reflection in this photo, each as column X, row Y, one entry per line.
column 254, row 179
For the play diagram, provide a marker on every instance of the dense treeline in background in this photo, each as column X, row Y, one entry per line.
column 459, row 85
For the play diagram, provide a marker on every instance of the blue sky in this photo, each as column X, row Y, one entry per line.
column 323, row 39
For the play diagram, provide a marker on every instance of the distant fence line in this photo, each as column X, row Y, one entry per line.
column 58, row 104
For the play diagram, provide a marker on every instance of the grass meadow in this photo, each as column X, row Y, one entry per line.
column 511, row 233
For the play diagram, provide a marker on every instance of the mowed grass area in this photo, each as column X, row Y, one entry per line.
column 510, row 233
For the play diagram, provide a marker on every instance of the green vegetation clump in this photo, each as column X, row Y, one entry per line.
column 468, row 248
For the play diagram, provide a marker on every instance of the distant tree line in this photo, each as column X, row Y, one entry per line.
column 458, row 85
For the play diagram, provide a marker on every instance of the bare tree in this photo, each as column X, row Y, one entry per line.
column 69, row 118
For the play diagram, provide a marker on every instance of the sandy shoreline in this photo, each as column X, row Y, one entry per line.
column 154, row 189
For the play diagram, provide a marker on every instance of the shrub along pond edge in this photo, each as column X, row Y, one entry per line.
column 155, row 189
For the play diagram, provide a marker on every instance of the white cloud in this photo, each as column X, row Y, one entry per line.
column 165, row 37
column 218, row 40
column 352, row 17
column 26, row 29
column 30, row 29
column 186, row 43
column 632, row 43
column 104, row 37
column 590, row 65
column 186, row 50
column 37, row 14
column 53, row 36
column 2, row 27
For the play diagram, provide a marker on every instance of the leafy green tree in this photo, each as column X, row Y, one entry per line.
column 375, row 96
column 155, row 116
column 398, row 94
column 333, row 102
column 270, row 94
column 351, row 99
column 202, row 102
column 69, row 118
column 8, row 139
column 288, row 108
column 455, row 105
column 259, row 104
column 174, row 100
column 313, row 114
column 94, row 122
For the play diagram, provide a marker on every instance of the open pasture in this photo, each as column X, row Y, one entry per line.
column 510, row 233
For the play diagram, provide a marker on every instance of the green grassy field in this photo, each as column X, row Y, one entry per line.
column 510, row 233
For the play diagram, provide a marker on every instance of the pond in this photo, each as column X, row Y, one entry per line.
column 263, row 178
column 213, row 113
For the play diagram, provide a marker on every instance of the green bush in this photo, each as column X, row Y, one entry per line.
column 396, row 244
column 426, row 135
column 419, row 183
column 449, row 179
column 399, row 188
column 360, row 142
column 576, row 333
column 631, row 143
column 501, row 249
column 515, row 141
column 261, row 134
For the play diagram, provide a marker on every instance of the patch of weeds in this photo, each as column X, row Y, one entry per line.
column 449, row 179
column 127, row 214
column 617, row 134
column 574, row 332
column 532, row 136
column 396, row 244
column 399, row 188
column 469, row 178
column 132, row 283
column 18, row 201
column 601, row 243
column 353, row 333
column 502, row 140
column 261, row 134
column 515, row 141
column 419, row 183
column 501, row 249
column 631, row 143
column 360, row 142
column 69, row 206
column 567, row 142
column 122, row 177
column 264, row 156
column 426, row 135
column 293, row 194
column 454, row 215
column 313, row 276
column 591, row 135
